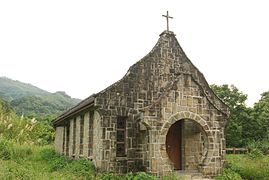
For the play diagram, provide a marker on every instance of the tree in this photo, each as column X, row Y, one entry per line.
column 239, row 114
column 260, row 115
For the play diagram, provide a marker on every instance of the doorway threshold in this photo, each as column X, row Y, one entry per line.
column 190, row 175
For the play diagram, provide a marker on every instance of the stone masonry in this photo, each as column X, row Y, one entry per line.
column 124, row 127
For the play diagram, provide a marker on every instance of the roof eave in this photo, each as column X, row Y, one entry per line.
column 87, row 103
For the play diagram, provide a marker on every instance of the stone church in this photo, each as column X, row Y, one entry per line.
column 160, row 117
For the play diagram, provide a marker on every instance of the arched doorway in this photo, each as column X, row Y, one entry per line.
column 186, row 145
column 174, row 144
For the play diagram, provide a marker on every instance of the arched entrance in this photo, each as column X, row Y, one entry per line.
column 186, row 145
column 174, row 144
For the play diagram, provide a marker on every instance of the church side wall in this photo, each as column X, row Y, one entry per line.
column 85, row 138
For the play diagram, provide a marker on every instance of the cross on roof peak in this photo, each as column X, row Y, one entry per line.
column 167, row 19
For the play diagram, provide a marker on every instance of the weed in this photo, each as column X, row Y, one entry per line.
column 108, row 176
column 228, row 174
column 81, row 167
column 171, row 176
column 249, row 167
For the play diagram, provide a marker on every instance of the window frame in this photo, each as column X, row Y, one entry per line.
column 121, row 153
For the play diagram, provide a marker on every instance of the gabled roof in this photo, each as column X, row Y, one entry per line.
column 166, row 37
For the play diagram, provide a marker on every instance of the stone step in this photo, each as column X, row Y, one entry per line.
column 191, row 175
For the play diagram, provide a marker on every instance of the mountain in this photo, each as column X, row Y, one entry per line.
column 30, row 100
column 11, row 89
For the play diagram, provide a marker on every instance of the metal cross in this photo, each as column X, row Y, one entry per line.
column 167, row 19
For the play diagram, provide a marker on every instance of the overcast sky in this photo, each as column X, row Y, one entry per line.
column 82, row 47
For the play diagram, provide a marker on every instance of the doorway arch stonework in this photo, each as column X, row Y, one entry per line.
column 205, row 129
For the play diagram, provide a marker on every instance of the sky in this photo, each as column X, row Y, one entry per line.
column 81, row 47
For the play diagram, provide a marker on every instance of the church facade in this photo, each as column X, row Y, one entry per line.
column 160, row 117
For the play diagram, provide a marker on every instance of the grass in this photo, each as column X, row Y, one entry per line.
column 246, row 166
column 42, row 162
column 249, row 167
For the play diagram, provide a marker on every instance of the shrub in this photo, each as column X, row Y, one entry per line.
column 228, row 174
column 47, row 154
column 255, row 149
column 262, row 146
column 249, row 167
column 171, row 176
column 143, row 176
column 57, row 163
column 54, row 160
column 108, row 176
column 81, row 167
column 139, row 176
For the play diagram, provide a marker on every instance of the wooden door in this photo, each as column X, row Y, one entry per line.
column 173, row 144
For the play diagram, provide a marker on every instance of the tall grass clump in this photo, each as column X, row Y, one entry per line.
column 13, row 170
column 129, row 176
column 139, row 176
column 171, row 176
column 258, row 148
column 12, row 151
column 23, row 130
column 81, row 167
column 228, row 174
column 5, row 149
column 249, row 167
column 54, row 160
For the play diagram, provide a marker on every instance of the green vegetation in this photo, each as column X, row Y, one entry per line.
column 42, row 162
column 31, row 101
column 245, row 125
column 246, row 166
column 228, row 174
column 53, row 103
column 10, row 89
column 23, row 130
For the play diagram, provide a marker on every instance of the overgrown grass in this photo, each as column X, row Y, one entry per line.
column 42, row 162
column 247, row 166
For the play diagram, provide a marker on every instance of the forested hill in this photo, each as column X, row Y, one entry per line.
column 30, row 100
column 10, row 89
